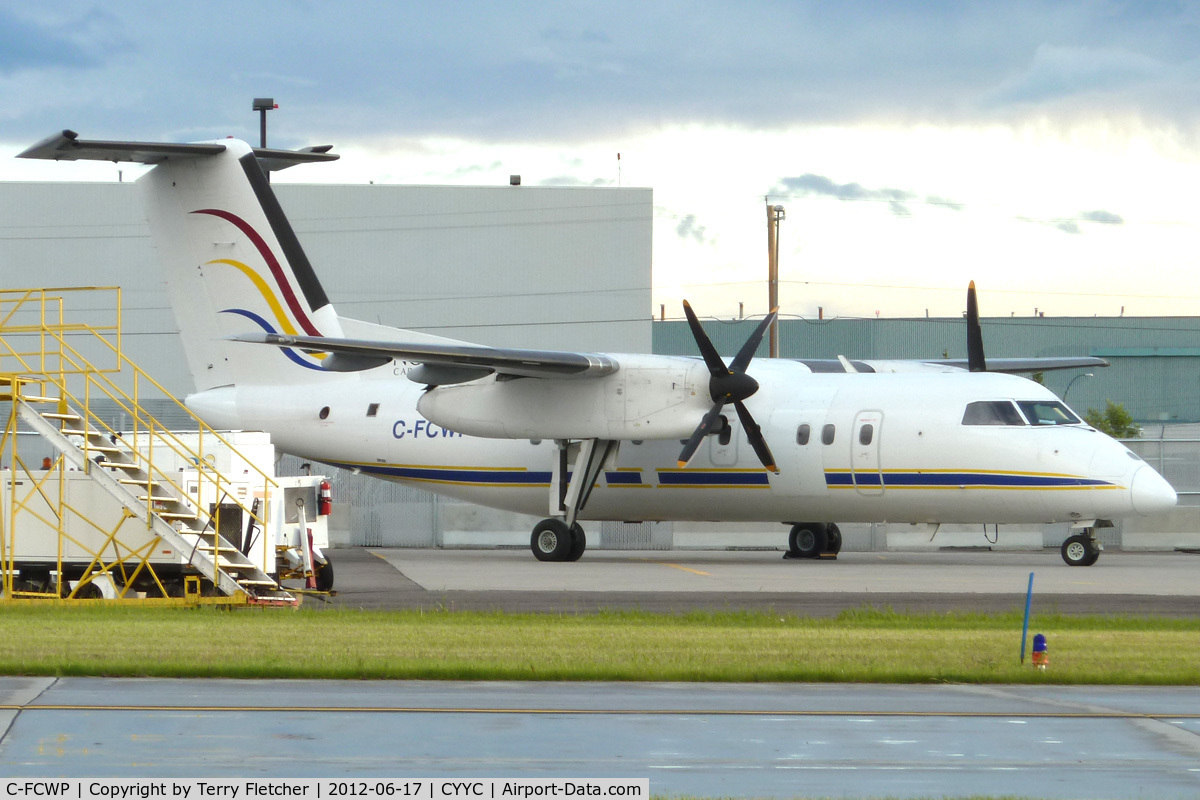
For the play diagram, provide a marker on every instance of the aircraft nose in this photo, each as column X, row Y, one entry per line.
column 1150, row 492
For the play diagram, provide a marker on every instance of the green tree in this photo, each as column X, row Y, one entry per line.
column 1114, row 420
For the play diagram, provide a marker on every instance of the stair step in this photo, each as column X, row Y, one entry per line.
column 118, row 465
column 176, row 514
column 226, row 548
column 256, row 582
column 138, row 481
column 33, row 398
column 65, row 417
column 157, row 499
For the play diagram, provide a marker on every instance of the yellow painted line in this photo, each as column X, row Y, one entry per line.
column 672, row 565
column 685, row 569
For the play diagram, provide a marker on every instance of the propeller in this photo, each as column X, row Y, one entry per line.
column 728, row 384
column 975, row 359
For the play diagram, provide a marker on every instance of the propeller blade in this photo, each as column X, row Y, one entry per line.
column 754, row 435
column 742, row 359
column 703, row 429
column 716, row 365
column 975, row 359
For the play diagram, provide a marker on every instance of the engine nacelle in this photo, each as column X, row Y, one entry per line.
column 648, row 397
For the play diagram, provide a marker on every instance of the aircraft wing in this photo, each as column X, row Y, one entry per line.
column 444, row 363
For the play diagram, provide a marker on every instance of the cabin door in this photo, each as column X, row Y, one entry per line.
column 864, row 452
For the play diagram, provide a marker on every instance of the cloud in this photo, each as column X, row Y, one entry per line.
column 688, row 228
column 1102, row 217
column 898, row 200
column 1058, row 72
column 26, row 45
column 532, row 71
column 1072, row 224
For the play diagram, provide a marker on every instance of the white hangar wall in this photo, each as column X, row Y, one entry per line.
column 516, row 266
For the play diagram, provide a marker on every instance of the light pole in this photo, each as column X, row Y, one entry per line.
column 1072, row 383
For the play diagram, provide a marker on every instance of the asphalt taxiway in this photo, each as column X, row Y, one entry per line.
column 679, row 581
column 761, row 740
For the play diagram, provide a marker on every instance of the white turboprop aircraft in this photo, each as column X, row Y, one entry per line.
column 584, row 436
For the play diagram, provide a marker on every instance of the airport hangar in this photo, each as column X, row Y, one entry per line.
column 560, row 268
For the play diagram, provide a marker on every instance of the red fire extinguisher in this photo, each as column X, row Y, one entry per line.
column 325, row 500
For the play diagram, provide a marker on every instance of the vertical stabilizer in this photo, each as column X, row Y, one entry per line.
column 234, row 265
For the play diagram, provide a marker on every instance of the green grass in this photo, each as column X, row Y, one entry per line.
column 861, row 646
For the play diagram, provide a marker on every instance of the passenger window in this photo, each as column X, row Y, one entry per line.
column 725, row 435
column 372, row 409
column 992, row 412
column 802, row 434
column 827, row 434
column 866, row 433
column 1047, row 412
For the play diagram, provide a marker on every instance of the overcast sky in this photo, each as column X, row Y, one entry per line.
column 1050, row 151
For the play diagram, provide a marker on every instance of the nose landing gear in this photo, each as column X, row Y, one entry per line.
column 1082, row 549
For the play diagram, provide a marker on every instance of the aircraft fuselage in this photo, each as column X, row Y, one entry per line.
column 849, row 447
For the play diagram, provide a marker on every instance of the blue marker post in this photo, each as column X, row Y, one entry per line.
column 1025, row 628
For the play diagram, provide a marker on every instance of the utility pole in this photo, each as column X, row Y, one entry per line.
column 775, row 215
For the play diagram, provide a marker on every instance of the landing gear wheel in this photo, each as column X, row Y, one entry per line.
column 552, row 540
column 324, row 576
column 578, row 542
column 835, row 540
column 1080, row 550
column 808, row 539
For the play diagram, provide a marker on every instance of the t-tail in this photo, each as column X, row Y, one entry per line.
column 233, row 265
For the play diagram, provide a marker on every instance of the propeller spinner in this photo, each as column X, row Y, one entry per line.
column 728, row 384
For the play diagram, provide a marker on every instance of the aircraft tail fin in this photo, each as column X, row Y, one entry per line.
column 233, row 264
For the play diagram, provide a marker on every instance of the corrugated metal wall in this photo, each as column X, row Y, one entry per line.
column 1155, row 368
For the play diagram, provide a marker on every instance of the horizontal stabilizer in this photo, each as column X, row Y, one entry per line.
column 1040, row 364
column 461, row 362
column 67, row 146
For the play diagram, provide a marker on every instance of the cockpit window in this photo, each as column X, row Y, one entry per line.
column 992, row 412
column 1051, row 412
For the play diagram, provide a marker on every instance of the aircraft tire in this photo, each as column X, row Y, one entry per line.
column 834, row 545
column 552, row 540
column 808, row 539
column 325, row 576
column 1080, row 551
column 578, row 542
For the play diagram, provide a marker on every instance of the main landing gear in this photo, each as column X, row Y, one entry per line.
column 576, row 470
column 1082, row 549
column 814, row 540
column 554, row 540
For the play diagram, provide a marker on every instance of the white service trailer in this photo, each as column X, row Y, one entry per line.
column 65, row 522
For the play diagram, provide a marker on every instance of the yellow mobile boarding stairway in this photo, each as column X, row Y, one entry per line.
column 98, row 517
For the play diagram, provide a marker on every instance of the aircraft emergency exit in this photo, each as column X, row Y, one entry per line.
column 603, row 436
